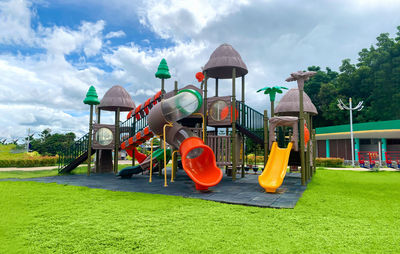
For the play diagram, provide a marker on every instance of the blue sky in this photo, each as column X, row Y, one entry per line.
column 52, row 51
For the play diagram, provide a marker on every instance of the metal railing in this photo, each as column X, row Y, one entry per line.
column 127, row 129
column 78, row 148
column 250, row 119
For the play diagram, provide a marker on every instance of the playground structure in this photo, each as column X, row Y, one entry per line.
column 177, row 116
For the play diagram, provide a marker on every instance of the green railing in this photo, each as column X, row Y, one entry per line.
column 127, row 129
column 74, row 151
column 250, row 119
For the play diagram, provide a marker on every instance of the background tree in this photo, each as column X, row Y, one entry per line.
column 375, row 79
column 51, row 144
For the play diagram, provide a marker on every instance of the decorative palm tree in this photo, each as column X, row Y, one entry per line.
column 272, row 91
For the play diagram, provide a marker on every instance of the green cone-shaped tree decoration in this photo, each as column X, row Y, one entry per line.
column 91, row 97
column 163, row 71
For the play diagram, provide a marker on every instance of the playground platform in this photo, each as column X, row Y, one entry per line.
column 244, row 191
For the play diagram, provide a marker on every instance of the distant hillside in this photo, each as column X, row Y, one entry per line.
column 11, row 151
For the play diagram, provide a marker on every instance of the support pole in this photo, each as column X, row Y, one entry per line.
column 174, row 164
column 380, row 152
column 151, row 159
column 356, row 148
column 165, row 153
column 314, row 152
column 205, row 106
column 272, row 108
column 90, row 140
column 133, row 133
column 116, row 141
column 313, row 145
column 301, row 119
column 351, row 133
column 243, row 120
column 234, row 159
column 98, row 151
column 328, row 152
column 176, row 87
column 162, row 85
column 216, row 95
column 384, row 148
column 308, row 166
column 28, row 140
column 204, row 126
column 216, row 87
column 266, row 136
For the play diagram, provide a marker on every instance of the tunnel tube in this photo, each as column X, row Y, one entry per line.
column 198, row 159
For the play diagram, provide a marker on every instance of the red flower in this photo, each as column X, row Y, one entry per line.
column 199, row 76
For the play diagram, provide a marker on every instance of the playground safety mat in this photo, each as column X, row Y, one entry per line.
column 243, row 191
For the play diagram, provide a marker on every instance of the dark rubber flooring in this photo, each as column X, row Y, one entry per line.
column 243, row 191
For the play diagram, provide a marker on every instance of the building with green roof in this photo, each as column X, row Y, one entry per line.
column 369, row 138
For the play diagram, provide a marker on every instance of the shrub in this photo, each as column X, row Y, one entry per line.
column 250, row 159
column 29, row 162
column 329, row 162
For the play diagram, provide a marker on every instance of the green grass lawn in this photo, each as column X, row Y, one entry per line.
column 340, row 212
column 43, row 173
column 6, row 152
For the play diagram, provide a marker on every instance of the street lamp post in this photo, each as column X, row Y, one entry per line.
column 359, row 107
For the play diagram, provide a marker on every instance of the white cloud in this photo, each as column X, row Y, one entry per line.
column 137, row 66
column 181, row 19
column 63, row 41
column 16, row 119
column 117, row 34
column 15, row 22
column 273, row 37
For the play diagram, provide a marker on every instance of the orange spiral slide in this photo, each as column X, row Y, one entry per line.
column 198, row 161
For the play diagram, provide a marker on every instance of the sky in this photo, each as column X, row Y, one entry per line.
column 51, row 52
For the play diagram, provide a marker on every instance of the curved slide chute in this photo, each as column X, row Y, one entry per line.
column 134, row 153
column 275, row 170
column 198, row 160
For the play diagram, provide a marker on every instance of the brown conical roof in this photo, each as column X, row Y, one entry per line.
column 117, row 97
column 223, row 60
column 289, row 104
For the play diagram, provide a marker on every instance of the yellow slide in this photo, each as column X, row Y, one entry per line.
column 275, row 170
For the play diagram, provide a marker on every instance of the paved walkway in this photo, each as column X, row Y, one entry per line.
column 363, row 169
column 51, row 167
column 28, row 169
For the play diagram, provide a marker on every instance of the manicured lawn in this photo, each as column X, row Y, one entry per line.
column 340, row 212
column 43, row 173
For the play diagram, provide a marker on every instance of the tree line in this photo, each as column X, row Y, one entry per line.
column 51, row 144
column 375, row 79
